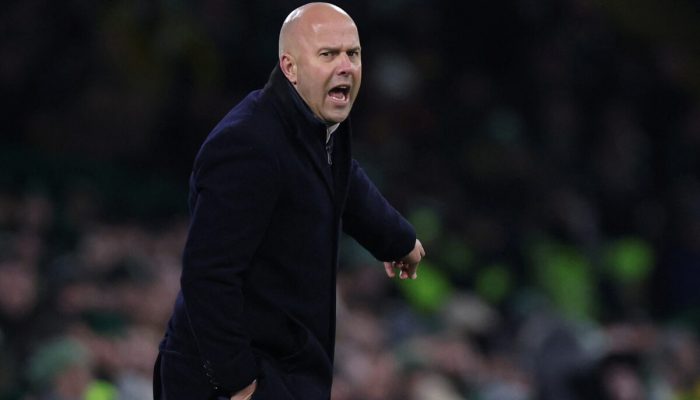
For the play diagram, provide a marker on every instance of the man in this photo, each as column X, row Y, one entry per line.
column 271, row 189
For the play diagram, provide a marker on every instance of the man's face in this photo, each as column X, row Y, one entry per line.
column 329, row 68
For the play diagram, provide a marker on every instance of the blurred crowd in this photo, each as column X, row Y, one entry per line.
column 546, row 152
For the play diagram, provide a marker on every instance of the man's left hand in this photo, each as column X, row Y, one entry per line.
column 408, row 265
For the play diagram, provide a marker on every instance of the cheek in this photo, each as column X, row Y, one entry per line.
column 310, row 88
column 316, row 82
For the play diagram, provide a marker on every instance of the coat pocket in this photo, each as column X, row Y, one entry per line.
column 182, row 377
column 271, row 384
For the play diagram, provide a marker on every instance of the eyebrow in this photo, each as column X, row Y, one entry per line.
column 337, row 49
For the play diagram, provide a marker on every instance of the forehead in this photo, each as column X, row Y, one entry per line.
column 337, row 33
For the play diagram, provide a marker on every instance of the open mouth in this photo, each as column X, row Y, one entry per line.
column 340, row 93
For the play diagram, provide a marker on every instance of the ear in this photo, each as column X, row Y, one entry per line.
column 289, row 67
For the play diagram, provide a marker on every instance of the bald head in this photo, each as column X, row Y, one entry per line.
column 305, row 20
column 319, row 54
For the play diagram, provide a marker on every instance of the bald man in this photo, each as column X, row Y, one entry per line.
column 272, row 187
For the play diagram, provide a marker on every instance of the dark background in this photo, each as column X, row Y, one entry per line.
column 546, row 151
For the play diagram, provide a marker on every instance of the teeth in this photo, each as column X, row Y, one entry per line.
column 340, row 92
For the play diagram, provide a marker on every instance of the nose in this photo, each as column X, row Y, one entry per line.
column 345, row 64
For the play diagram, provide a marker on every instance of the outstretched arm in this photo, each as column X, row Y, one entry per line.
column 378, row 227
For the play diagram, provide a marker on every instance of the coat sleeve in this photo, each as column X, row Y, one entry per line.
column 233, row 191
column 373, row 222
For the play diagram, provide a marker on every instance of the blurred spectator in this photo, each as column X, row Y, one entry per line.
column 61, row 370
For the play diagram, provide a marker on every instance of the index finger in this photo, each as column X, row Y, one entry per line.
column 389, row 268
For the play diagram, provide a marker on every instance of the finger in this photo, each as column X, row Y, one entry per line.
column 247, row 392
column 421, row 249
column 406, row 268
column 402, row 270
column 389, row 268
column 412, row 271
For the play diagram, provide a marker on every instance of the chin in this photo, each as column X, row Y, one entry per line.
column 337, row 117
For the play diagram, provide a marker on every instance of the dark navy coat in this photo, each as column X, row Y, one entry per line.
column 258, row 283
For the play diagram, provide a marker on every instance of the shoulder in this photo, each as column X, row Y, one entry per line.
column 253, row 119
column 251, row 124
column 248, row 134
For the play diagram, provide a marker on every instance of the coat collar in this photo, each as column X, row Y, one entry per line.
column 305, row 127
column 289, row 104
